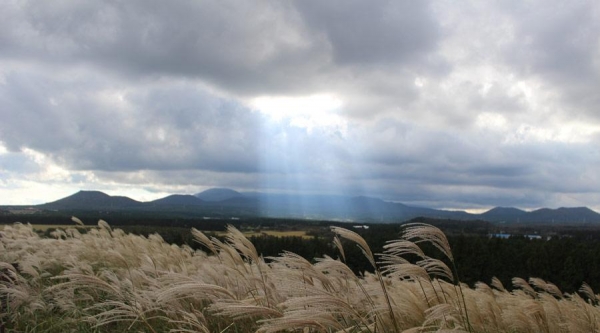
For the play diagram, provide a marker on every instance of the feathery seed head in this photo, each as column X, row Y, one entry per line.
column 356, row 238
column 76, row 220
column 421, row 232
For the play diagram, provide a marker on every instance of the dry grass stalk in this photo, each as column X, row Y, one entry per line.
column 362, row 244
column 339, row 246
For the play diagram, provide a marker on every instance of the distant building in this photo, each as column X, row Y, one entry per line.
column 24, row 210
column 506, row 236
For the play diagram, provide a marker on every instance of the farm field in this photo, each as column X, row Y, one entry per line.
column 274, row 233
column 44, row 227
column 107, row 280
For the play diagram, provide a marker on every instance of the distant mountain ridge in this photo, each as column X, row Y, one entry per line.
column 178, row 199
column 563, row 214
column 222, row 201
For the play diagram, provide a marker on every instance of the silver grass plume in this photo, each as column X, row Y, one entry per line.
column 496, row 283
column 523, row 285
column 421, row 232
column 77, row 221
column 546, row 286
column 588, row 292
column 356, row 238
column 201, row 238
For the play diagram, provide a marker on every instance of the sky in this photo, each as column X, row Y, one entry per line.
column 454, row 105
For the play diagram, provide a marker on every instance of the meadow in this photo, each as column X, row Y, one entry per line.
column 107, row 280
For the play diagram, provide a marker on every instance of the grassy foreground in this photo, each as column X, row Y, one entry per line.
column 108, row 281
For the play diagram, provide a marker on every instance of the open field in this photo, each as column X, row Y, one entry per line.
column 44, row 227
column 275, row 233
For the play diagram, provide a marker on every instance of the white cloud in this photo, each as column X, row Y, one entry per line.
column 308, row 112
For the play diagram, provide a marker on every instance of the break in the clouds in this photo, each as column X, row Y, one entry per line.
column 450, row 105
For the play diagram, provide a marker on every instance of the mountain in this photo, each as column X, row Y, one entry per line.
column 543, row 215
column 564, row 215
column 503, row 214
column 92, row 200
column 177, row 199
column 218, row 194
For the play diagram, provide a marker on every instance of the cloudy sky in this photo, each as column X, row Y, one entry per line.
column 445, row 104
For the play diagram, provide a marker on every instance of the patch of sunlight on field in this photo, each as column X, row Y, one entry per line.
column 276, row 233
column 44, row 227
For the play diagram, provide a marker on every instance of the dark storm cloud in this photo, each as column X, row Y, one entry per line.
column 249, row 48
column 103, row 129
column 235, row 44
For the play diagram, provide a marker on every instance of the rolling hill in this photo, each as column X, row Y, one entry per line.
column 94, row 200
column 218, row 194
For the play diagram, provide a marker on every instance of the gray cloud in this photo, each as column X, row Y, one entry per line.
column 155, row 128
column 555, row 40
column 363, row 33
column 180, row 126
column 560, row 45
column 447, row 105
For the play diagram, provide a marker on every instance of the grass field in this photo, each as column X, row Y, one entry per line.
column 44, row 227
column 276, row 233
column 109, row 281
